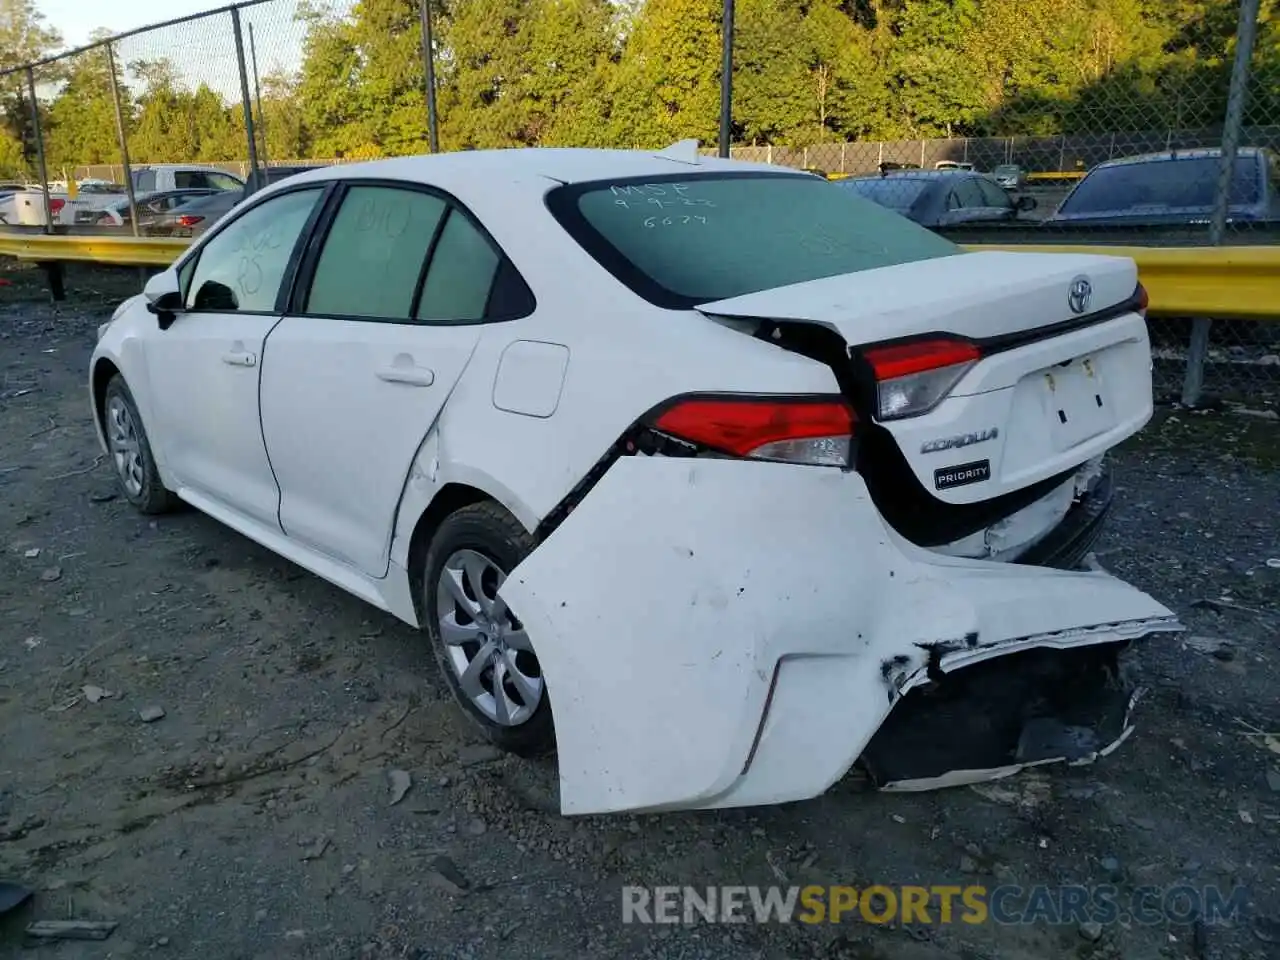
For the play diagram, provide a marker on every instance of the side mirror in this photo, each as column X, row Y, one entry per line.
column 164, row 298
column 1026, row 203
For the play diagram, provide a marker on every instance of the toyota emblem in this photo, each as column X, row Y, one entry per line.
column 1080, row 294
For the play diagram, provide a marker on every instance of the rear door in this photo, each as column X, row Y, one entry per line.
column 389, row 308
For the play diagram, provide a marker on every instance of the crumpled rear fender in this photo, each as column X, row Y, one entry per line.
column 722, row 632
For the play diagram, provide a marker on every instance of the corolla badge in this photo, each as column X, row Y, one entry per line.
column 1079, row 294
column 962, row 440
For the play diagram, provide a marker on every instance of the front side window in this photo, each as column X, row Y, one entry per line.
column 374, row 252
column 241, row 267
column 687, row 240
column 144, row 181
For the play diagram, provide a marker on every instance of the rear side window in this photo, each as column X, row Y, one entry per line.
column 374, row 252
column 965, row 194
column 993, row 194
column 460, row 279
column 1180, row 183
column 685, row 240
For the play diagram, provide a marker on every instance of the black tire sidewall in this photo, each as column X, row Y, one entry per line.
column 489, row 530
column 153, row 498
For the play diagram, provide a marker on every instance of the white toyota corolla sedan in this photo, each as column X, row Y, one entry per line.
column 743, row 478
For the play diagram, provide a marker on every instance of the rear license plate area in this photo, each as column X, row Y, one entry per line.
column 1075, row 401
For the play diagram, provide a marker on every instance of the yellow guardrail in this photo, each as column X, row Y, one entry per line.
column 1242, row 282
column 1056, row 177
column 117, row 251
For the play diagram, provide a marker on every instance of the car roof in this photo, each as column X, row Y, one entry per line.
column 1202, row 153
column 948, row 175
column 517, row 167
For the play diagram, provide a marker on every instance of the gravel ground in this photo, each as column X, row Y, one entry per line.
column 254, row 819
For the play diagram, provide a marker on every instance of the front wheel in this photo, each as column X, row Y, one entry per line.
column 131, row 451
column 483, row 649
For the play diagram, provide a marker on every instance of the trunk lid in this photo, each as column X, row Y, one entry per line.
column 976, row 295
column 1062, row 378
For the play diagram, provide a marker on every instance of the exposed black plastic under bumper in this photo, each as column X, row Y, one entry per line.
column 1066, row 544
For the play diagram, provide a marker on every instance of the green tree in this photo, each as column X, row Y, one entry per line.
column 771, row 102
column 573, row 50
column 847, row 93
column 24, row 37
column 668, row 80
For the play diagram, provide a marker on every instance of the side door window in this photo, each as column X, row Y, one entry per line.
column 460, row 276
column 221, row 181
column 144, row 181
column 967, row 195
column 241, row 267
column 371, row 263
column 993, row 195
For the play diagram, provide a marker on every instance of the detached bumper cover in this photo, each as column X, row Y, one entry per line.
column 721, row 633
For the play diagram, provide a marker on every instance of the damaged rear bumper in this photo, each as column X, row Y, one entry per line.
column 719, row 633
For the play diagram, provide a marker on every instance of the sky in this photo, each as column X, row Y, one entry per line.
column 76, row 19
column 202, row 51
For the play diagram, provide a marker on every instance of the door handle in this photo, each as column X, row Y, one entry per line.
column 240, row 359
column 414, row 376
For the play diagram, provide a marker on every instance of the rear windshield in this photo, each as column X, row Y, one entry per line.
column 896, row 193
column 686, row 240
column 1190, row 182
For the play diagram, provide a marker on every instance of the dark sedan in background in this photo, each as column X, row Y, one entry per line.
column 195, row 217
column 1173, row 188
column 151, row 207
column 941, row 198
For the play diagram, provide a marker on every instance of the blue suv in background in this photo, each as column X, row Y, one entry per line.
column 1175, row 187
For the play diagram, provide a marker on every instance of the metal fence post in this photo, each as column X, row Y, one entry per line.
column 124, row 140
column 257, row 96
column 1246, row 33
column 726, row 78
column 39, row 135
column 429, row 70
column 250, row 136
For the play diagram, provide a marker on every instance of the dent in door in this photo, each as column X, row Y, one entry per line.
column 530, row 378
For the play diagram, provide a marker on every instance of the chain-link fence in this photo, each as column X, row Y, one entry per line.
column 1018, row 121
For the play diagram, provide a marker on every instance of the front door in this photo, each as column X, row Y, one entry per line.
column 204, row 369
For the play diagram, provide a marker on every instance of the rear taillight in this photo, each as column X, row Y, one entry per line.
column 913, row 378
column 55, row 206
column 1143, row 300
column 189, row 221
column 809, row 430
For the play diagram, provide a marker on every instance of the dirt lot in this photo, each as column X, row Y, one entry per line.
column 253, row 820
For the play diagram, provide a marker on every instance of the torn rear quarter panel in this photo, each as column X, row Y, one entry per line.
column 724, row 633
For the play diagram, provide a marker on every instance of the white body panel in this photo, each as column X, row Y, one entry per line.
column 368, row 393
column 716, row 572
column 204, row 374
column 663, row 606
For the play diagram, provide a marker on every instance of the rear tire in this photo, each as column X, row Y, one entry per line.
column 483, row 651
column 130, row 451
